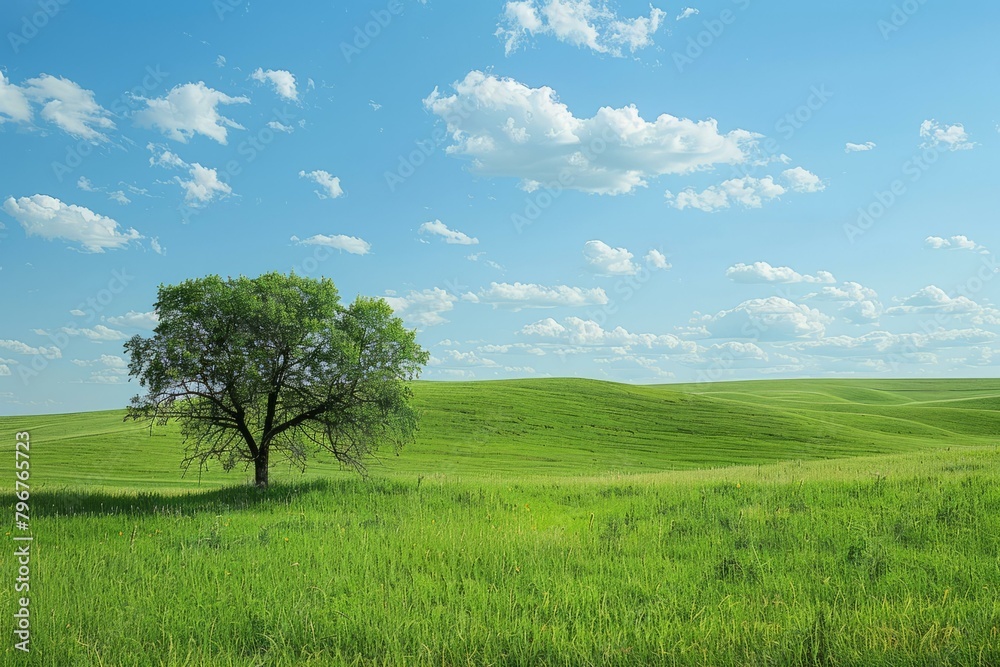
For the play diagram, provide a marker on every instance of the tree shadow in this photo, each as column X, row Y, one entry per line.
column 80, row 502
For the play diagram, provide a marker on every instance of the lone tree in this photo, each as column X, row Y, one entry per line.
column 254, row 366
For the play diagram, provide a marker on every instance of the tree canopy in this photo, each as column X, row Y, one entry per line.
column 250, row 367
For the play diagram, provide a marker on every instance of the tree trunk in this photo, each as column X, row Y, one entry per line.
column 260, row 467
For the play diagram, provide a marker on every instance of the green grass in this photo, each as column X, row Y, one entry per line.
column 541, row 523
column 572, row 427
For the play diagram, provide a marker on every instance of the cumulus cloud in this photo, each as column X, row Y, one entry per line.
column 607, row 261
column 14, row 104
column 455, row 358
column 98, row 334
column 136, row 320
column 510, row 130
column 329, row 185
column 282, row 80
column 203, row 184
column 18, row 347
column 954, row 243
column 50, row 218
column 577, row 331
column 64, row 103
column 656, row 260
column 577, row 22
column 882, row 344
column 423, row 307
column 945, row 137
column 747, row 191
column 858, row 304
column 687, row 13
column 802, row 180
column 528, row 295
column 933, row 299
column 189, row 109
column 762, row 272
column 351, row 244
column 773, row 318
column 857, row 148
column 452, row 236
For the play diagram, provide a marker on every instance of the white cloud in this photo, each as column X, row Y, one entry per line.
column 577, row 22
column 329, row 184
column 857, row 148
column 424, row 307
column 280, row 127
column 120, row 197
column 656, row 260
column 950, row 137
column 49, row 218
column 18, row 347
column 933, row 299
column 747, row 191
column 69, row 107
column 954, row 243
column 203, row 184
column 99, row 333
column 687, row 12
column 509, row 129
column 773, row 318
column 858, row 304
column 802, row 180
column 14, row 105
column 154, row 243
column 84, row 184
column 607, row 261
column 577, row 331
column 453, row 358
column 136, row 320
column 282, row 80
column 762, row 272
column 528, row 295
column 189, row 109
column 351, row 244
column 452, row 236
column 4, row 370
column 882, row 344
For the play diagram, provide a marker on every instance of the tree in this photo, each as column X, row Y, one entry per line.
column 275, row 364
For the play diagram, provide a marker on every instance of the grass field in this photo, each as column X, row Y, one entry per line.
column 543, row 522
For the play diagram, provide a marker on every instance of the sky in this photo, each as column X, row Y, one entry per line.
column 670, row 192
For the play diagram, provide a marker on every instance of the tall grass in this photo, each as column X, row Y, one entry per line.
column 893, row 560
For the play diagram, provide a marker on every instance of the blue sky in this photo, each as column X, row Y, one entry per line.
column 675, row 192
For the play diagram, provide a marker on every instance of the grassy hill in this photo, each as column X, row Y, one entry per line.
column 572, row 427
column 506, row 535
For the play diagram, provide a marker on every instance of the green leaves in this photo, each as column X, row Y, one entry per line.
column 277, row 361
